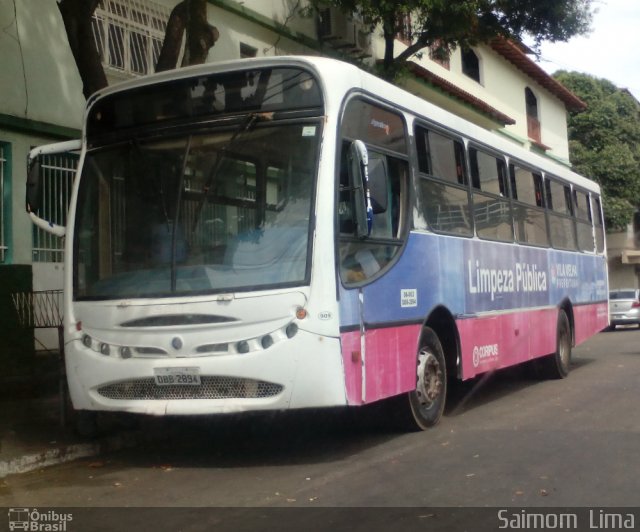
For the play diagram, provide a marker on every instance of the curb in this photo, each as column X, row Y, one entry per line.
column 68, row 453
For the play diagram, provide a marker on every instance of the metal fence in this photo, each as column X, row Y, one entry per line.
column 43, row 310
column 40, row 309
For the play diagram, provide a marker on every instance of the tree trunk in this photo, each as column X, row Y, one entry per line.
column 388, row 62
column 201, row 35
column 76, row 15
column 170, row 52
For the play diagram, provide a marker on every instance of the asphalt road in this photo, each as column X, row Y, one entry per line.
column 507, row 440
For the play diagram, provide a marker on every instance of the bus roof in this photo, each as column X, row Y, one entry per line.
column 343, row 77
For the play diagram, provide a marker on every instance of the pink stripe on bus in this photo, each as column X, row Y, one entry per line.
column 487, row 343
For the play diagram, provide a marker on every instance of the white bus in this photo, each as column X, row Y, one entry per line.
column 293, row 232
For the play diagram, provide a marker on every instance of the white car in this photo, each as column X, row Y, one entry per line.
column 624, row 307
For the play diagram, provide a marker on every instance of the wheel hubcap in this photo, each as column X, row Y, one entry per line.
column 430, row 381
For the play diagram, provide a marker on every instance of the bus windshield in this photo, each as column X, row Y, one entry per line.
column 198, row 213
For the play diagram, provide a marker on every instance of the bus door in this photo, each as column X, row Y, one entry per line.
column 370, row 216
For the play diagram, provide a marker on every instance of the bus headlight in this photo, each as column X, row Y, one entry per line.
column 242, row 347
column 292, row 330
column 267, row 341
column 105, row 348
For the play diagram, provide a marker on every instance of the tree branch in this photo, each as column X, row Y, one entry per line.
column 412, row 49
column 76, row 15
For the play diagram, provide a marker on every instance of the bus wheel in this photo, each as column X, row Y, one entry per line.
column 427, row 400
column 558, row 364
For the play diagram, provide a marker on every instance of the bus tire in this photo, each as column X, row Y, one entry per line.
column 558, row 364
column 422, row 408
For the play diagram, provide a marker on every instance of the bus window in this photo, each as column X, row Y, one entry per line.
column 179, row 216
column 491, row 208
column 440, row 156
column 361, row 259
column 559, row 205
column 528, row 206
column 598, row 223
column 374, row 125
column 382, row 131
column 584, row 219
column 445, row 197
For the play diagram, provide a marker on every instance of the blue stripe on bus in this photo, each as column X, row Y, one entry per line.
column 470, row 276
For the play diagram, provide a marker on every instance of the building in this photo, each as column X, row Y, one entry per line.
column 623, row 249
column 497, row 86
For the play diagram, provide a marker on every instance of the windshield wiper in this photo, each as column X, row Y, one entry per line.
column 246, row 125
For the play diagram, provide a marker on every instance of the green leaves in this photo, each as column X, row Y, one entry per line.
column 605, row 143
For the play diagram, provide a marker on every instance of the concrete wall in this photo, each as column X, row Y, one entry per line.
column 622, row 275
column 249, row 23
column 39, row 78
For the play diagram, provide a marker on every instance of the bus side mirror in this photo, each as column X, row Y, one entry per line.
column 358, row 163
column 34, row 198
column 34, row 191
column 378, row 184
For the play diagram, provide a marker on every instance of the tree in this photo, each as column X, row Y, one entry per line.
column 446, row 24
column 604, row 143
column 188, row 16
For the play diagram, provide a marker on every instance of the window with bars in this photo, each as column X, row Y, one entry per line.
column 57, row 172
column 129, row 34
column 4, row 156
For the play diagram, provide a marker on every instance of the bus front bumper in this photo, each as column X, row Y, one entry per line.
column 306, row 372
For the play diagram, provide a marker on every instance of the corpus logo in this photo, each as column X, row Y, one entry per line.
column 38, row 521
column 484, row 353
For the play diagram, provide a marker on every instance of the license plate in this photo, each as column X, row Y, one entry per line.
column 179, row 376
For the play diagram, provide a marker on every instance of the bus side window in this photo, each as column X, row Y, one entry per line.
column 528, row 206
column 560, row 213
column 383, row 131
column 598, row 223
column 491, row 206
column 584, row 221
column 443, row 183
column 362, row 259
column 441, row 157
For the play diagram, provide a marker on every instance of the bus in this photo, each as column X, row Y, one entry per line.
column 293, row 232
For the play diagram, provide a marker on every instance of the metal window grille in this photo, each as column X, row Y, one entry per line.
column 57, row 172
column 129, row 34
column 3, row 164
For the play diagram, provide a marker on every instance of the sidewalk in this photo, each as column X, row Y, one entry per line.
column 31, row 435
